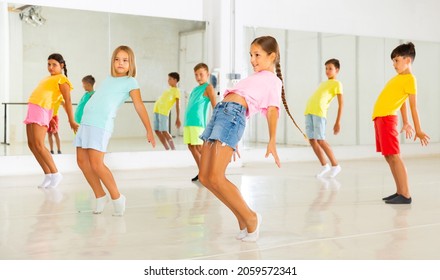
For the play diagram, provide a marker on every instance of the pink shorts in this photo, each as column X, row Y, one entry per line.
column 38, row 115
column 387, row 135
column 53, row 125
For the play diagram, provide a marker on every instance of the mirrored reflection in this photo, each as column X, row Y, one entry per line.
column 86, row 40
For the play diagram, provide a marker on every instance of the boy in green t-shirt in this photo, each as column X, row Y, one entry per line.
column 316, row 118
column 162, row 108
column 88, row 83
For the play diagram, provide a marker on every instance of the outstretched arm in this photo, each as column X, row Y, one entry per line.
column 424, row 138
column 337, row 126
column 272, row 120
column 135, row 95
column 65, row 91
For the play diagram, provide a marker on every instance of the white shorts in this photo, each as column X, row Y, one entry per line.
column 91, row 137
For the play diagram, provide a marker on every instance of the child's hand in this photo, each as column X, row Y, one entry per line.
column 178, row 123
column 408, row 130
column 151, row 139
column 424, row 138
column 74, row 126
column 336, row 128
column 271, row 149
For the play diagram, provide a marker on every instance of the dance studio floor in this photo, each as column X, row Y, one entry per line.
column 169, row 217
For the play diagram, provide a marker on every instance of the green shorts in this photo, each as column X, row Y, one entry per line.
column 191, row 135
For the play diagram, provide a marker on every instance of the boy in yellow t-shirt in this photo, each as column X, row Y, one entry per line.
column 316, row 118
column 162, row 108
column 392, row 98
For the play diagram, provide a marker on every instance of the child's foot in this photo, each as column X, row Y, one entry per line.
column 119, row 206
column 55, row 180
column 59, row 152
column 241, row 234
column 100, row 204
column 324, row 169
column 399, row 199
column 390, row 197
column 253, row 236
column 334, row 170
column 51, row 152
column 46, row 181
column 195, row 178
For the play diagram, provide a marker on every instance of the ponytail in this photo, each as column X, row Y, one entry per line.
column 283, row 97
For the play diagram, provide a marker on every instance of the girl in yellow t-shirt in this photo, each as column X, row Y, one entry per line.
column 40, row 112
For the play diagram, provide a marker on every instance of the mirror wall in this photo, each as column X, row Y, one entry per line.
column 365, row 68
column 87, row 39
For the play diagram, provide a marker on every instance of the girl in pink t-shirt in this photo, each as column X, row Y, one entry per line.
column 260, row 92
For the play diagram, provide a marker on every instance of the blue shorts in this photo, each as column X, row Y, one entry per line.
column 160, row 122
column 227, row 124
column 91, row 137
column 315, row 127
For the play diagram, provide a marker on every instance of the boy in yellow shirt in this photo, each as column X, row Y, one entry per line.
column 162, row 109
column 392, row 98
column 316, row 118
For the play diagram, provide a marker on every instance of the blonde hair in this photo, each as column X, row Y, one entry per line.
column 131, row 61
column 270, row 45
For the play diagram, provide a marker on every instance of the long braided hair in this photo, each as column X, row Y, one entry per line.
column 58, row 57
column 270, row 45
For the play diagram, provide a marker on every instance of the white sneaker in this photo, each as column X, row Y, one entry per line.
column 55, row 180
column 325, row 168
column 334, row 171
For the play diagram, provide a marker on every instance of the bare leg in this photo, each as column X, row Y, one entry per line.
column 328, row 151
column 49, row 137
column 96, row 159
column 36, row 135
column 400, row 175
column 169, row 139
column 318, row 151
column 58, row 142
column 215, row 159
column 83, row 160
column 196, row 151
column 162, row 139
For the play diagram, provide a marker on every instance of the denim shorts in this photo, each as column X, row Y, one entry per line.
column 227, row 124
column 160, row 122
column 315, row 127
column 90, row 137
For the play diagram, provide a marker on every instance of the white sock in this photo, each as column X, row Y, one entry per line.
column 55, row 180
column 46, row 181
column 325, row 168
column 334, row 171
column 100, row 204
column 119, row 206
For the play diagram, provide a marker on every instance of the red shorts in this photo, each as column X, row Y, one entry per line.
column 387, row 135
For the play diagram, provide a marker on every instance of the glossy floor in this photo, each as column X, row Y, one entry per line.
column 169, row 217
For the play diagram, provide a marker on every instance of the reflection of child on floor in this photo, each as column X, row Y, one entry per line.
column 162, row 109
column 52, row 131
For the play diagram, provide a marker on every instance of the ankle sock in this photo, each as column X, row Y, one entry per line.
column 46, row 181
column 253, row 236
column 119, row 206
column 55, row 180
column 324, row 169
column 100, row 204
column 334, row 170
column 241, row 234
